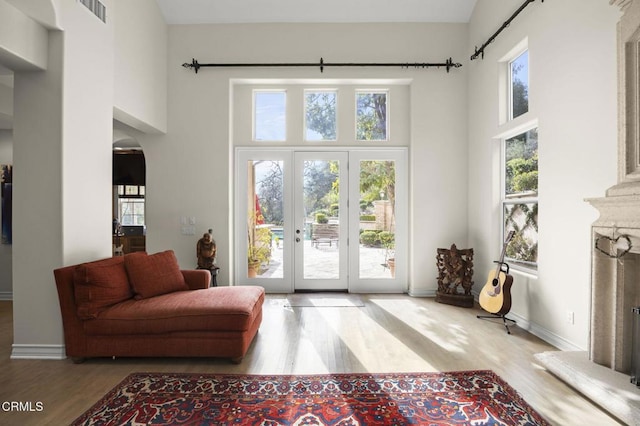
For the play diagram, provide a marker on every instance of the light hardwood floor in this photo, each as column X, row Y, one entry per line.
column 390, row 333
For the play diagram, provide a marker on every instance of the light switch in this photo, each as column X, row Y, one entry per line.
column 188, row 230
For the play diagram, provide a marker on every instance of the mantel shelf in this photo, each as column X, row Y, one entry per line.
column 621, row 211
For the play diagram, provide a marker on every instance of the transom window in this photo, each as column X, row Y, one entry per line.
column 371, row 116
column 519, row 85
column 269, row 115
column 320, row 115
column 295, row 114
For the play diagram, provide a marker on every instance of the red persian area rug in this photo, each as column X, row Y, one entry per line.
column 455, row 398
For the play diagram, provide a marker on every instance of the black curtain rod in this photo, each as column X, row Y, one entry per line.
column 480, row 51
column 448, row 64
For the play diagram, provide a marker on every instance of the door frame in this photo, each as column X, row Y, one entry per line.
column 399, row 284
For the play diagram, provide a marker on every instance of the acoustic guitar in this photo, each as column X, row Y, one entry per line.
column 495, row 296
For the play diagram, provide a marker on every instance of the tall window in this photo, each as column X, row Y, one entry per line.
column 371, row 116
column 131, row 204
column 320, row 115
column 269, row 115
column 520, row 198
column 519, row 85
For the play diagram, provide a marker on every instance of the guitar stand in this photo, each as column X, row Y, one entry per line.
column 504, row 267
column 494, row 316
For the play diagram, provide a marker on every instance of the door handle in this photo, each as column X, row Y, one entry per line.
column 297, row 240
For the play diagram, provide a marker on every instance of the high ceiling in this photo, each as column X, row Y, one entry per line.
column 301, row 11
column 264, row 11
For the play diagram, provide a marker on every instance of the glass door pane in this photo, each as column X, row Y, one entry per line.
column 377, row 219
column 265, row 218
column 321, row 221
column 263, row 247
column 378, row 258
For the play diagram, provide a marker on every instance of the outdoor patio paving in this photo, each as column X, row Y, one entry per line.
column 321, row 262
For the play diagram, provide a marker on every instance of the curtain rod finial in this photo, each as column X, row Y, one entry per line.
column 193, row 65
column 450, row 64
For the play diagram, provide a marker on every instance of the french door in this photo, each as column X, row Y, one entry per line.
column 321, row 225
column 321, row 220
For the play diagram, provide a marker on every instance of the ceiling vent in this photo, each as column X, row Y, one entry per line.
column 97, row 8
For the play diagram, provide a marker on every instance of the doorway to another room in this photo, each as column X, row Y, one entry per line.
column 128, row 203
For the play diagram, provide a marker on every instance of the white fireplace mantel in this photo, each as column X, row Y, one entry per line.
column 603, row 372
column 615, row 266
column 619, row 214
column 623, row 4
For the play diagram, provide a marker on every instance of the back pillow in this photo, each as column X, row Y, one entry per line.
column 99, row 285
column 155, row 274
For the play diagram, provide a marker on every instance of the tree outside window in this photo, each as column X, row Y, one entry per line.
column 519, row 79
column 320, row 115
column 371, row 116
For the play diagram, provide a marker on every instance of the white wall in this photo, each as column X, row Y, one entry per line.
column 62, row 172
column 572, row 54
column 62, row 150
column 6, row 157
column 140, row 65
column 42, row 11
column 189, row 168
column 6, row 102
column 23, row 42
column 87, row 133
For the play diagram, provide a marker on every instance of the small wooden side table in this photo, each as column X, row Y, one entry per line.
column 214, row 273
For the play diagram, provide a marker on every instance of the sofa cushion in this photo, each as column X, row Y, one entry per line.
column 155, row 274
column 212, row 309
column 100, row 284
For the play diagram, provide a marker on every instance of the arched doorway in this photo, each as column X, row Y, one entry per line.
column 128, row 206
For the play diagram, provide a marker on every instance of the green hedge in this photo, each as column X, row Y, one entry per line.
column 377, row 238
column 369, row 238
column 386, row 238
column 322, row 218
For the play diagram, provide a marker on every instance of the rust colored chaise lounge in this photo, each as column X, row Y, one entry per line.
column 142, row 305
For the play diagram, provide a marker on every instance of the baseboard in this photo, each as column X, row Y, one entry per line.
column 6, row 296
column 546, row 335
column 423, row 293
column 523, row 323
column 38, row 352
column 541, row 332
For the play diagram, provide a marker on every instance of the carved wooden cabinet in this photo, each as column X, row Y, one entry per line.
column 455, row 276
